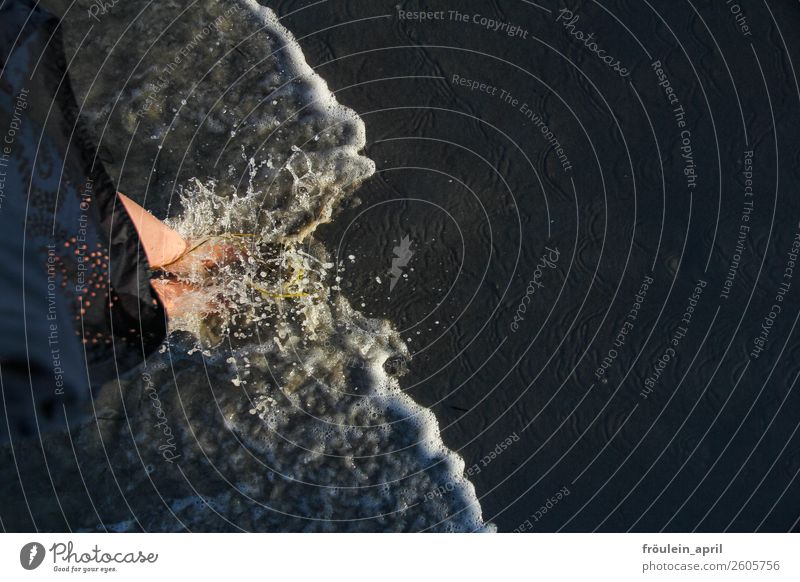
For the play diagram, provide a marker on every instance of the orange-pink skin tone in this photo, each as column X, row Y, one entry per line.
column 164, row 248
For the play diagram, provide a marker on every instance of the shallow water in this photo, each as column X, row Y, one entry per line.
column 493, row 315
column 281, row 411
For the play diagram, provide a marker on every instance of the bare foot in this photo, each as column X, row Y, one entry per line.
column 182, row 293
column 204, row 259
column 182, row 299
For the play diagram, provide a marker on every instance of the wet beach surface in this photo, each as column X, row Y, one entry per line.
column 569, row 242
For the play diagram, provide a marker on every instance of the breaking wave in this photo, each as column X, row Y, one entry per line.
column 283, row 406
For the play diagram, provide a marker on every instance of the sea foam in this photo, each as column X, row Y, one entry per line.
column 285, row 406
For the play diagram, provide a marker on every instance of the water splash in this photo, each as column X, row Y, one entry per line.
column 284, row 402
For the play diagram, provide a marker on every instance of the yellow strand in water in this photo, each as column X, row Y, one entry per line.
column 277, row 295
